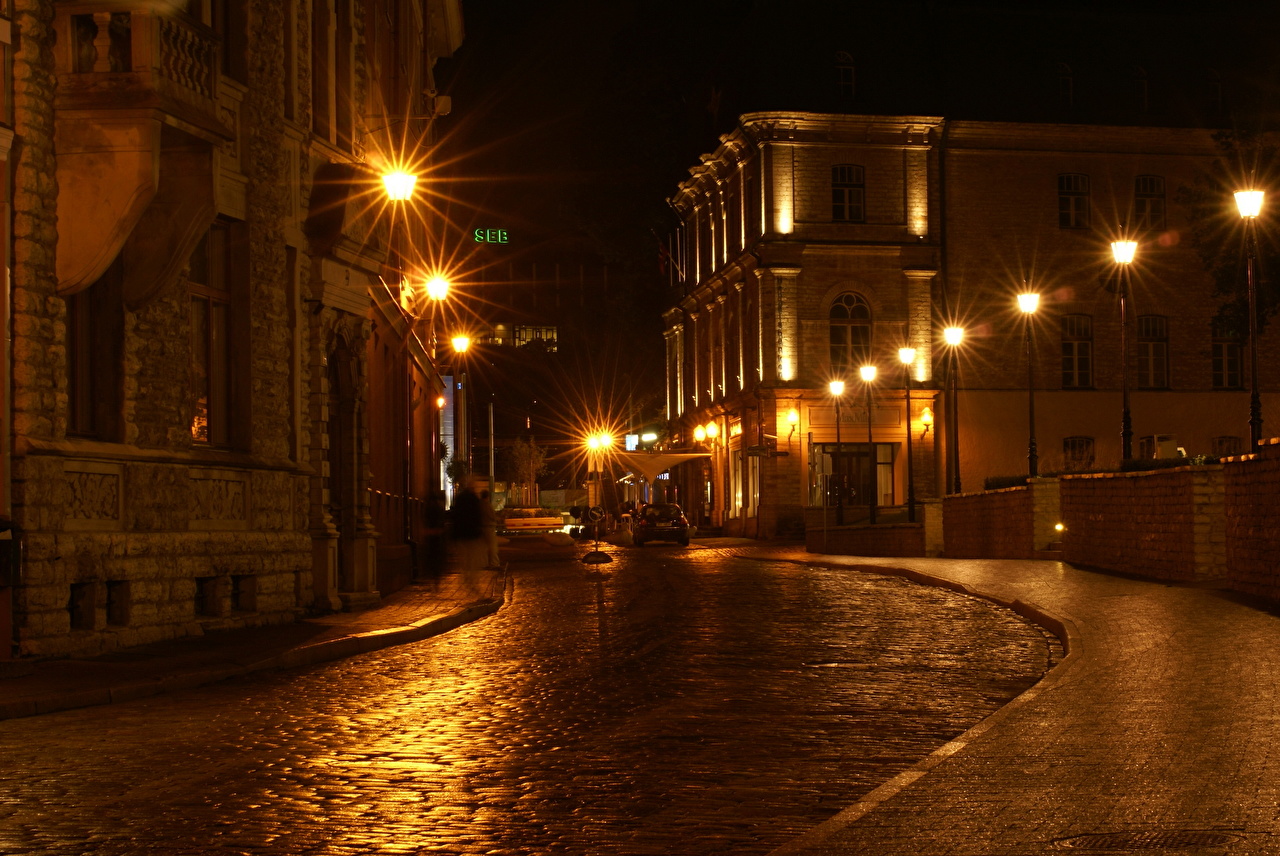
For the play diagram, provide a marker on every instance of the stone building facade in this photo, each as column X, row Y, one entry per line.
column 201, row 287
column 813, row 244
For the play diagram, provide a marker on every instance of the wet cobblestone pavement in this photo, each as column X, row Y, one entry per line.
column 682, row 702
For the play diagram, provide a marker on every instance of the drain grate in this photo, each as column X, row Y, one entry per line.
column 1129, row 841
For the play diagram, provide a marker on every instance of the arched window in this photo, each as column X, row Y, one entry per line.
column 847, row 189
column 850, row 331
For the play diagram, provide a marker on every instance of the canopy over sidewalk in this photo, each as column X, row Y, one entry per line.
column 651, row 465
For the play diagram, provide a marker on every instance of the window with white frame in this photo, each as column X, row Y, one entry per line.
column 1153, row 352
column 847, row 189
column 1148, row 203
column 1228, row 363
column 1073, row 201
column 1077, row 351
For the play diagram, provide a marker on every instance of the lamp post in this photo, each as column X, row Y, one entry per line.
column 868, row 374
column 461, row 425
column 836, row 388
column 953, row 336
column 1250, row 204
column 1029, row 302
column 1123, row 251
column 907, row 356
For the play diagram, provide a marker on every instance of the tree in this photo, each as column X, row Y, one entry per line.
column 1217, row 231
column 457, row 469
column 523, row 461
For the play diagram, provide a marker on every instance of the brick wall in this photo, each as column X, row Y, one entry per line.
column 898, row 539
column 996, row 524
column 1251, row 486
column 1167, row 524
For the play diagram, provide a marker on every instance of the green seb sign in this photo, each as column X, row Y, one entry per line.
column 492, row 236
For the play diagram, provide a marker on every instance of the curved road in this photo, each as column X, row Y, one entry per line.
column 682, row 702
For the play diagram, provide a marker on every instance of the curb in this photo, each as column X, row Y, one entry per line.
column 1061, row 626
column 306, row 655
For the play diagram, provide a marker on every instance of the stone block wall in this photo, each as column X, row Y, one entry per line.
column 1251, row 486
column 995, row 524
column 1166, row 524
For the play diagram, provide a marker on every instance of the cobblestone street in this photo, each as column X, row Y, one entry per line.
column 682, row 702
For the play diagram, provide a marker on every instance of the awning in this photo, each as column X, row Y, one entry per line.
column 650, row 466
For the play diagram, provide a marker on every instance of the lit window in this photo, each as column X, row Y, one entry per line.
column 1077, row 453
column 850, row 319
column 1073, row 201
column 1153, row 352
column 847, row 190
column 210, row 297
column 1148, row 202
column 1227, row 358
column 1077, row 352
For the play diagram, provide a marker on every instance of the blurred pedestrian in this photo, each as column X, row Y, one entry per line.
column 437, row 553
column 467, row 519
column 489, row 525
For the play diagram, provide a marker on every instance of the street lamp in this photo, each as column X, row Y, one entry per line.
column 868, row 374
column 399, row 185
column 1123, row 251
column 1029, row 302
column 1250, row 204
column 954, row 337
column 907, row 356
column 836, row 387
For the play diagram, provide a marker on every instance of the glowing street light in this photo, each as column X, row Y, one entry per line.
column 461, row 343
column 399, row 185
column 954, row 337
column 1029, row 302
column 907, row 356
column 868, row 374
column 1250, row 204
column 1123, row 252
column 437, row 288
column 836, row 388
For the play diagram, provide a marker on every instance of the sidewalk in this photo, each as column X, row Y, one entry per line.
column 417, row 612
column 1159, row 730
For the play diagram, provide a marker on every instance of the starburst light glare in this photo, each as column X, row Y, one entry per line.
column 399, row 185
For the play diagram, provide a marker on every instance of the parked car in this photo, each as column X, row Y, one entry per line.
column 661, row 521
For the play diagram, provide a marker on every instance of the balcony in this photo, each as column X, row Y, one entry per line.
column 137, row 122
column 108, row 57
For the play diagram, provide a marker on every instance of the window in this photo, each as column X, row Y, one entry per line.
column 1141, row 101
column 1153, row 352
column 1073, row 201
column 210, row 339
column 1146, row 447
column 846, row 75
column 850, row 318
column 1148, row 202
column 1227, row 357
column 1066, row 86
column 847, row 193
column 1226, row 447
column 1077, row 352
column 1077, row 453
